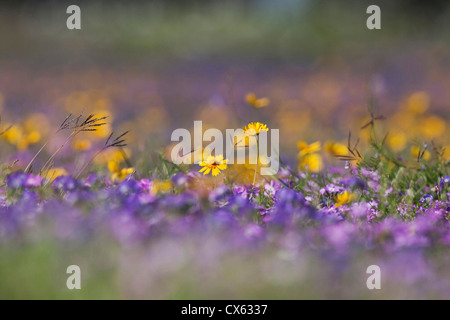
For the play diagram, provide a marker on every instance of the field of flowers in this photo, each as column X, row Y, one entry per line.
column 86, row 177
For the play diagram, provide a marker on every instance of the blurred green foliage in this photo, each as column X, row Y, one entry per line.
column 214, row 29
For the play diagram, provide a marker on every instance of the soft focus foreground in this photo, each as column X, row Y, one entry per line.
column 87, row 177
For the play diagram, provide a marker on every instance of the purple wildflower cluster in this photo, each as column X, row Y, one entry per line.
column 275, row 215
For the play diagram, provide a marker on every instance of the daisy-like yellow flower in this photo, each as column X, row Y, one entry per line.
column 255, row 102
column 344, row 198
column 214, row 164
column 254, row 128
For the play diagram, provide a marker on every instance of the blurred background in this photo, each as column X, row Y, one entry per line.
column 309, row 68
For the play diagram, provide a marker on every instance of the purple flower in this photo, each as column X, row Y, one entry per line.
column 354, row 183
column 65, row 183
column 18, row 180
column 331, row 189
column 248, row 191
column 426, row 199
column 221, row 193
column 128, row 186
column 271, row 188
column 145, row 184
column 180, row 179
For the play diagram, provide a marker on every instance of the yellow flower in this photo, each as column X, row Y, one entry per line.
column 397, row 141
column 21, row 138
column 37, row 122
column 415, row 153
column 311, row 162
column 336, row 148
column 254, row 128
column 446, row 153
column 112, row 154
column 118, row 174
column 344, row 198
column 103, row 131
column 306, row 149
column 255, row 102
column 161, row 186
column 33, row 137
column 432, row 127
column 13, row 135
column 213, row 163
column 418, row 102
column 54, row 173
column 121, row 174
column 81, row 145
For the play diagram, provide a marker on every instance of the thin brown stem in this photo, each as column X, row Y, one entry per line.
column 35, row 156
column 89, row 162
column 74, row 133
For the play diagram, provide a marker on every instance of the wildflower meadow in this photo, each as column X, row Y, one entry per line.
column 334, row 184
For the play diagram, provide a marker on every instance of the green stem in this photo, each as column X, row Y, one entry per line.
column 257, row 158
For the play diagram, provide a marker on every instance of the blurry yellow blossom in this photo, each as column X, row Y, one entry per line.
column 105, row 130
column 418, row 102
column 77, row 101
column 308, row 158
column 118, row 174
column 112, row 154
column 432, row 127
column 306, row 149
column 446, row 153
column 81, row 145
column 54, row 173
column 161, row 186
column 33, row 137
column 17, row 136
column 415, row 153
column 214, row 164
column 311, row 162
column 397, row 141
column 251, row 99
column 336, row 148
column 37, row 122
column 344, row 198
column 13, row 135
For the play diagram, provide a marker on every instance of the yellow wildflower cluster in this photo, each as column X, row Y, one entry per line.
column 308, row 156
column 344, row 198
column 118, row 173
column 161, row 186
column 412, row 122
column 29, row 132
column 255, row 102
